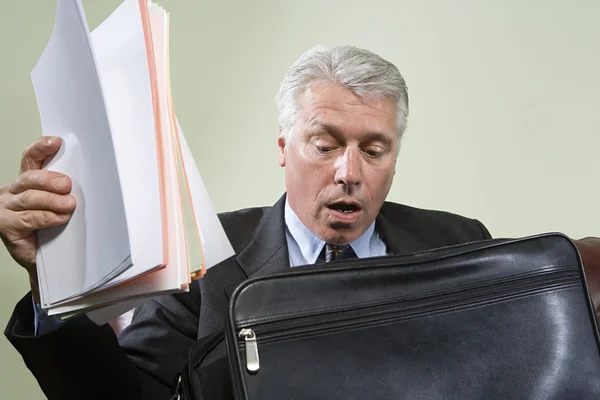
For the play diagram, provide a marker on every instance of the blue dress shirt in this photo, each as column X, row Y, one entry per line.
column 304, row 246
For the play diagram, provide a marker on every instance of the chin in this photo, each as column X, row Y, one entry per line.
column 340, row 237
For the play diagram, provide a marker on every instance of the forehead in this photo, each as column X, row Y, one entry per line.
column 333, row 105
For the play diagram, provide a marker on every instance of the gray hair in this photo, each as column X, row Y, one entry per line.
column 364, row 73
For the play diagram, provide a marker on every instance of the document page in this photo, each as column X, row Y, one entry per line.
column 95, row 244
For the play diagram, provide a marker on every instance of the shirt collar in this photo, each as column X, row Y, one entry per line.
column 310, row 245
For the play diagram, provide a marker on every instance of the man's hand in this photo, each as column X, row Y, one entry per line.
column 589, row 248
column 37, row 199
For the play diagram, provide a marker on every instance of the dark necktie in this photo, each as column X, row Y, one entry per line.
column 337, row 253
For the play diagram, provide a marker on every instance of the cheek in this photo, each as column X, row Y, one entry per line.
column 310, row 167
column 379, row 181
column 306, row 175
column 316, row 179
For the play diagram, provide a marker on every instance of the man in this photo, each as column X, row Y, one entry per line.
column 342, row 114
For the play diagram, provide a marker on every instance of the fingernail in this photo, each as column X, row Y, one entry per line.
column 65, row 200
column 60, row 182
column 50, row 140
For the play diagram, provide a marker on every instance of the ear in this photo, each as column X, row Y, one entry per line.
column 281, row 146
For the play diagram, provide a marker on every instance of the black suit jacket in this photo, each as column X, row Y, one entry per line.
column 83, row 361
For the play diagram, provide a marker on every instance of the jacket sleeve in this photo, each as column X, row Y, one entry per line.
column 484, row 231
column 81, row 360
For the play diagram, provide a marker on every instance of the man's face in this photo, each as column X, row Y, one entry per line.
column 340, row 159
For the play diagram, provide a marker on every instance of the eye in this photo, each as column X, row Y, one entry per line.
column 324, row 149
column 373, row 153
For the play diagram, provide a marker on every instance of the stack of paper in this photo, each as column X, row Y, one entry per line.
column 107, row 95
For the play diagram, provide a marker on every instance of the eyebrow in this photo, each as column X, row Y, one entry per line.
column 337, row 133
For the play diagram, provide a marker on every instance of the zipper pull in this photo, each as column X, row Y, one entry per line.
column 252, row 362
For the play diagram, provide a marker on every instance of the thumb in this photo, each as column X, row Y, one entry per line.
column 38, row 152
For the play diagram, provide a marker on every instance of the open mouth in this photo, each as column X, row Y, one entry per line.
column 344, row 208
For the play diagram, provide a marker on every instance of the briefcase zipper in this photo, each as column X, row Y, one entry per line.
column 321, row 323
column 252, row 361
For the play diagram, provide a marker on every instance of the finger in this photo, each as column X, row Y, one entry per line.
column 38, row 152
column 49, row 181
column 31, row 220
column 41, row 200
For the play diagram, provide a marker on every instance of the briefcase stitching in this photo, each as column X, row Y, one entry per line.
column 269, row 318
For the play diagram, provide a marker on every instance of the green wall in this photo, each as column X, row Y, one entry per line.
column 504, row 122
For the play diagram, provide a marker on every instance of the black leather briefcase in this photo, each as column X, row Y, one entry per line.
column 499, row 319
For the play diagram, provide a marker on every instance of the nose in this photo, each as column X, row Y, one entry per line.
column 348, row 168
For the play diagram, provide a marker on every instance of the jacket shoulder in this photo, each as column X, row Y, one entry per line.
column 435, row 223
column 240, row 225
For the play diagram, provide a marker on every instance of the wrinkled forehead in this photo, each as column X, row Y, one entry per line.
column 333, row 108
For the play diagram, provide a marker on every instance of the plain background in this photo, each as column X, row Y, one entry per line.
column 504, row 123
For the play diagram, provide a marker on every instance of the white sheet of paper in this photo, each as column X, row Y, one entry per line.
column 106, row 314
column 217, row 246
column 122, row 63
column 162, row 281
column 67, row 158
column 71, row 105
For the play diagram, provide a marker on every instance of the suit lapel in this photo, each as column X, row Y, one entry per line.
column 267, row 252
column 398, row 239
